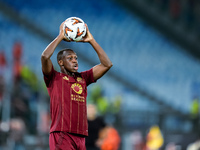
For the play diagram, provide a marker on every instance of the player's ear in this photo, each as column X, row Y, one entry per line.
column 60, row 62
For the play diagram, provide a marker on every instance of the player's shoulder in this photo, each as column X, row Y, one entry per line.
column 87, row 71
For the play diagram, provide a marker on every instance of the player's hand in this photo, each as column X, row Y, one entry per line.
column 88, row 37
column 62, row 32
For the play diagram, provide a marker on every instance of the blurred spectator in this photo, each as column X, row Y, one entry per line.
column 195, row 108
column 44, row 125
column 137, row 140
column 103, row 104
column 3, row 66
column 2, row 87
column 17, row 51
column 154, row 138
column 195, row 145
column 3, row 62
column 17, row 64
column 19, row 108
column 95, row 124
column 109, row 139
column 29, row 78
column 195, row 114
column 17, row 131
column 25, row 95
column 171, row 146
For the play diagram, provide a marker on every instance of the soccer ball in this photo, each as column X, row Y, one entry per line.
column 74, row 29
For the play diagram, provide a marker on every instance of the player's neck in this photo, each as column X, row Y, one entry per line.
column 67, row 72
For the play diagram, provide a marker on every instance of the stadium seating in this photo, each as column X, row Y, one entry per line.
column 139, row 53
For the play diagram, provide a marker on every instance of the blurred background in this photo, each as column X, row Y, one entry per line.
column 151, row 94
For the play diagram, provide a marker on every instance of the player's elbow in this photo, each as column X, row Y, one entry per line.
column 109, row 65
column 44, row 57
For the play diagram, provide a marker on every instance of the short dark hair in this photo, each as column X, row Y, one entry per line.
column 61, row 53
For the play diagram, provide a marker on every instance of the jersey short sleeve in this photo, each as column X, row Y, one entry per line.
column 88, row 76
column 48, row 78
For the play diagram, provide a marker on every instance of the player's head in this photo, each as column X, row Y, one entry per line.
column 67, row 60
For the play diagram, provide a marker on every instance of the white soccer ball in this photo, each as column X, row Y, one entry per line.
column 74, row 29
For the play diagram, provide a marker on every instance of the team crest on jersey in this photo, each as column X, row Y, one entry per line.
column 79, row 79
column 77, row 88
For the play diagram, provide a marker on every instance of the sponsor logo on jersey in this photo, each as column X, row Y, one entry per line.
column 65, row 78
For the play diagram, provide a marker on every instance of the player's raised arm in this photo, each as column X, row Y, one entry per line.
column 47, row 53
column 105, row 63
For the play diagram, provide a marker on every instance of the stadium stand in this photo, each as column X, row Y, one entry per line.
column 151, row 73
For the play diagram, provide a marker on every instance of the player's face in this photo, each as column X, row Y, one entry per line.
column 70, row 61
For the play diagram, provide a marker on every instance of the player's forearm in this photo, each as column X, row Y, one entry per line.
column 104, row 59
column 48, row 52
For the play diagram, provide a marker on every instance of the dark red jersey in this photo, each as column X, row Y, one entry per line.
column 68, row 101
